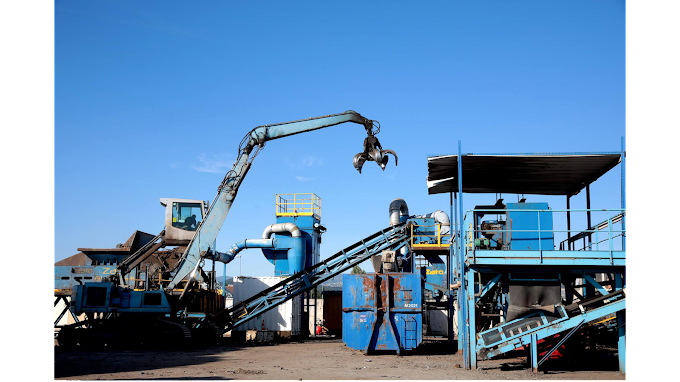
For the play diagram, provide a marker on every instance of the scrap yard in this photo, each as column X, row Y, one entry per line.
column 310, row 360
column 483, row 284
column 423, row 192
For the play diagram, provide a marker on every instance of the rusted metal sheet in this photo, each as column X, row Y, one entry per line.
column 382, row 311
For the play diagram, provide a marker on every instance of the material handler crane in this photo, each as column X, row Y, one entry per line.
column 116, row 308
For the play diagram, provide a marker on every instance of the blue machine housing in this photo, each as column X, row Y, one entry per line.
column 66, row 277
column 430, row 242
column 425, row 231
column 107, row 297
column 284, row 266
column 519, row 222
column 382, row 311
column 435, row 274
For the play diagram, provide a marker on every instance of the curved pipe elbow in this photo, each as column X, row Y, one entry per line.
column 280, row 228
column 226, row 257
column 442, row 218
column 398, row 210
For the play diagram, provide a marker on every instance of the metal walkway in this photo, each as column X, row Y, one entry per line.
column 391, row 238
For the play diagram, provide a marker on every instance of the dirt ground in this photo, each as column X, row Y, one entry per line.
column 311, row 359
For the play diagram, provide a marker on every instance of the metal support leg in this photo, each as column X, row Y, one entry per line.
column 621, row 325
column 472, row 335
column 462, row 324
column 534, row 353
column 461, row 264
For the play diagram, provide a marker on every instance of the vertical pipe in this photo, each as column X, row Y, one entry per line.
column 620, row 280
column 471, row 335
column 449, row 276
column 568, row 224
column 623, row 193
column 456, row 269
column 540, row 239
column 621, row 323
column 588, row 214
column 534, row 353
column 457, row 238
column 461, row 263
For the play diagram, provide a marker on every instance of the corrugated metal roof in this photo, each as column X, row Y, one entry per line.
column 543, row 174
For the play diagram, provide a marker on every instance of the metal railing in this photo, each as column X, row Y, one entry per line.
column 298, row 205
column 426, row 236
column 598, row 237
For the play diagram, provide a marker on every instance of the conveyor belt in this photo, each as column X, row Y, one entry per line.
column 517, row 333
column 391, row 238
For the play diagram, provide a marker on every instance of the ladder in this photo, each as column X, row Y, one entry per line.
column 391, row 238
column 410, row 333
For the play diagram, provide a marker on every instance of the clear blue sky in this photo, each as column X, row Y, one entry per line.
column 152, row 99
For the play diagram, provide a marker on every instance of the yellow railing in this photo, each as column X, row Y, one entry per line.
column 298, row 205
column 420, row 240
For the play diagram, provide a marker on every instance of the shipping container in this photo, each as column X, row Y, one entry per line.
column 284, row 319
column 382, row 311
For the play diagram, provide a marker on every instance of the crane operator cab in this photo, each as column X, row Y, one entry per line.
column 182, row 218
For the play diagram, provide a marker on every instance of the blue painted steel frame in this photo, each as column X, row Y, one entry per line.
column 462, row 296
column 556, row 327
column 466, row 274
column 621, row 316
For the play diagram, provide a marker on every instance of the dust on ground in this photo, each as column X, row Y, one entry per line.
column 311, row 359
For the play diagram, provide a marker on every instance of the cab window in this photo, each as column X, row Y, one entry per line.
column 186, row 215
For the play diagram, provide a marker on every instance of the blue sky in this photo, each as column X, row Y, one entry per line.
column 153, row 98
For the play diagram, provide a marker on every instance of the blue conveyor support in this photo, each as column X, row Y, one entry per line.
column 390, row 239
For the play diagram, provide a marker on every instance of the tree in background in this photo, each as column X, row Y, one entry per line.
column 358, row 271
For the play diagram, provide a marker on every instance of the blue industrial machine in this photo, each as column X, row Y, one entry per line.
column 96, row 264
column 388, row 309
column 118, row 303
column 298, row 232
column 517, row 276
column 514, row 275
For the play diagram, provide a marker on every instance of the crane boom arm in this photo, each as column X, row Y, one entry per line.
column 251, row 144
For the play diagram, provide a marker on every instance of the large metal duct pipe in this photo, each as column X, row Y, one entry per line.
column 398, row 211
column 296, row 251
column 226, row 257
column 442, row 218
column 280, row 228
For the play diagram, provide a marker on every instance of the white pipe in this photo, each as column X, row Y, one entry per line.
column 281, row 227
column 442, row 218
